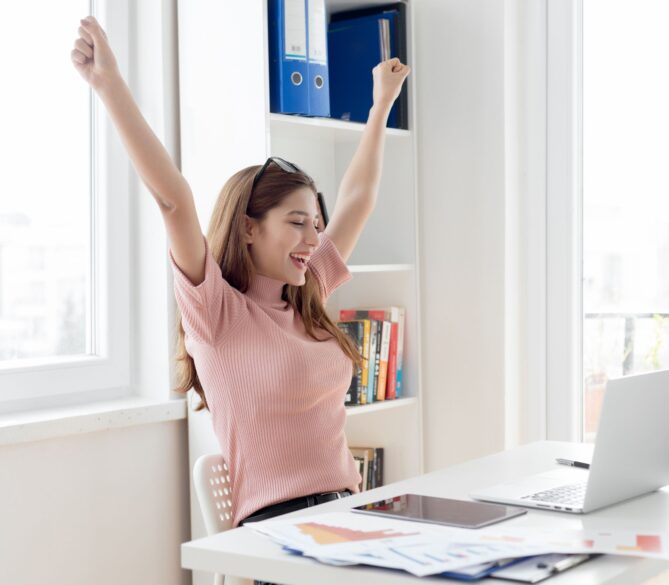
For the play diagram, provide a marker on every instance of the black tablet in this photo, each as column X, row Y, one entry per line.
column 460, row 513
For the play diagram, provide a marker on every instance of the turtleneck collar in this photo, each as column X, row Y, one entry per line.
column 267, row 291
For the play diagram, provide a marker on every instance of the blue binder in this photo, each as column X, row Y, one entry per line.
column 319, row 79
column 288, row 67
column 357, row 42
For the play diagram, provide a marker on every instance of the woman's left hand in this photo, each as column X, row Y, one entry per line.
column 388, row 79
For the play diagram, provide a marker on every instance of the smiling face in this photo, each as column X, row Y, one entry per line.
column 280, row 245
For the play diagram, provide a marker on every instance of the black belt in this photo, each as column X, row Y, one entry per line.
column 293, row 505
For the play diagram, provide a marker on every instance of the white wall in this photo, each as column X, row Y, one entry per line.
column 481, row 76
column 460, row 84
column 101, row 508
column 526, row 220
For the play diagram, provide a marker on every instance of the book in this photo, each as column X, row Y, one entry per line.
column 367, row 455
column 383, row 361
column 372, row 474
column 391, row 383
column 364, row 350
column 354, row 329
column 362, row 455
column 374, row 471
column 377, row 359
column 396, row 316
column 370, row 469
column 400, row 351
column 373, row 363
column 378, row 471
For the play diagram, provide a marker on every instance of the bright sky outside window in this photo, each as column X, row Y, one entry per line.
column 625, row 193
column 45, row 203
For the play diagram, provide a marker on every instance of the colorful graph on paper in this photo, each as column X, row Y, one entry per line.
column 328, row 534
column 425, row 549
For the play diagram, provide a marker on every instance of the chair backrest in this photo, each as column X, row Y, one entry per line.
column 212, row 486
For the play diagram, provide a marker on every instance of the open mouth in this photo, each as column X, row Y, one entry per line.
column 299, row 261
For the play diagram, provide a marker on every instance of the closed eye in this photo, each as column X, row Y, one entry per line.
column 302, row 224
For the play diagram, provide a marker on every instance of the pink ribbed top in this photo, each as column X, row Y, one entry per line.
column 276, row 396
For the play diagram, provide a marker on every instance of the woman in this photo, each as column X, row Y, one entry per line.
column 255, row 342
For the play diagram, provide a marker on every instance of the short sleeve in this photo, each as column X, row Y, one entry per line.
column 212, row 307
column 328, row 266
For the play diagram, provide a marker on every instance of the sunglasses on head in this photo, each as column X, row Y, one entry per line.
column 289, row 167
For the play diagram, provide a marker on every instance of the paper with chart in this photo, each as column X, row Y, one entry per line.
column 427, row 549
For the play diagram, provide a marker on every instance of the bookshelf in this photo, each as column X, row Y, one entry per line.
column 381, row 405
column 328, row 129
column 226, row 125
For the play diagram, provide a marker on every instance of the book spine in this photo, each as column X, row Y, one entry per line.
column 383, row 361
column 373, row 364
column 370, row 469
column 365, row 471
column 360, row 326
column 377, row 358
column 400, row 350
column 391, row 384
column 378, row 457
column 349, row 328
column 365, row 361
column 352, row 393
column 375, row 471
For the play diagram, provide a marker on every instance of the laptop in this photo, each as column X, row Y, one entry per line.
column 630, row 458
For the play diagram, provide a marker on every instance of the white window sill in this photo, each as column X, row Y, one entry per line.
column 48, row 423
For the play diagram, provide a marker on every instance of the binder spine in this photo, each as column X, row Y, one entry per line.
column 318, row 76
column 288, row 57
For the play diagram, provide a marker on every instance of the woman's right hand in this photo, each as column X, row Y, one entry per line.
column 92, row 56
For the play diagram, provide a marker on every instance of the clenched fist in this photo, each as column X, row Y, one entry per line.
column 388, row 79
column 92, row 56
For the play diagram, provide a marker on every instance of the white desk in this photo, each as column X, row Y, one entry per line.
column 244, row 553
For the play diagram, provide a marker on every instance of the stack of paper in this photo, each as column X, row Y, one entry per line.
column 345, row 538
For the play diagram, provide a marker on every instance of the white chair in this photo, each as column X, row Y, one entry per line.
column 212, row 486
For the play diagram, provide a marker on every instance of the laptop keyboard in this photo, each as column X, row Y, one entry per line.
column 568, row 495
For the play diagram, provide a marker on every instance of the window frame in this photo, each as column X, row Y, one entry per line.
column 564, row 226
column 47, row 382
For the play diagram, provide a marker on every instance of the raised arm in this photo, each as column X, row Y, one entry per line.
column 358, row 189
column 94, row 60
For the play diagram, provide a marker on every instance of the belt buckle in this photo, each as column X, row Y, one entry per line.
column 328, row 493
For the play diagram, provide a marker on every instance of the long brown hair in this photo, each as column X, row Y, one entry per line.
column 226, row 244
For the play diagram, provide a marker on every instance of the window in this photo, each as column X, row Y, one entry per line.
column 625, row 193
column 62, row 212
column 607, row 226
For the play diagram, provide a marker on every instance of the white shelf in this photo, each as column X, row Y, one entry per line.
column 324, row 128
column 342, row 5
column 381, row 405
column 361, row 268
